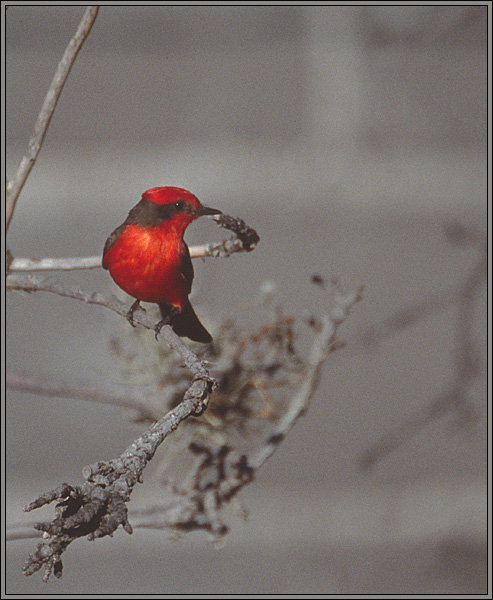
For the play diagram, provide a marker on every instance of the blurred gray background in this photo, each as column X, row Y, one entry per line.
column 347, row 136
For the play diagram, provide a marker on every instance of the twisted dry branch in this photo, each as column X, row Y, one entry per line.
column 98, row 507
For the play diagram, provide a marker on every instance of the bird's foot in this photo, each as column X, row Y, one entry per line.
column 160, row 325
column 130, row 314
column 164, row 321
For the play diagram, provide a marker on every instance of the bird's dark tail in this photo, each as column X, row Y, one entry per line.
column 187, row 324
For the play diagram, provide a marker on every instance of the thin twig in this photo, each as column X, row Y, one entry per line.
column 21, row 531
column 223, row 248
column 454, row 396
column 15, row 186
column 244, row 240
column 40, row 283
column 411, row 314
column 404, row 318
column 55, row 264
column 137, row 398
column 299, row 404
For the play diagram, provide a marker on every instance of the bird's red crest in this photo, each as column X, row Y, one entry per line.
column 168, row 195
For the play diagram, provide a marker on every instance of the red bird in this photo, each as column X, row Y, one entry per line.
column 148, row 258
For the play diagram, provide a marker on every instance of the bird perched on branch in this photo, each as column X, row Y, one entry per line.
column 148, row 258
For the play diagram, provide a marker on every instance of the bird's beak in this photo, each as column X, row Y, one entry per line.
column 205, row 210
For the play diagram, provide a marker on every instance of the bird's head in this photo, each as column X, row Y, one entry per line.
column 161, row 206
column 178, row 200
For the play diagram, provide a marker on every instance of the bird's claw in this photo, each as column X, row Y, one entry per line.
column 131, row 310
column 166, row 320
column 160, row 325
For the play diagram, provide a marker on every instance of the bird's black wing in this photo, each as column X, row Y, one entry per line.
column 112, row 239
column 186, row 267
column 141, row 214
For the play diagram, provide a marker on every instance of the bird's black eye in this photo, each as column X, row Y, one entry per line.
column 179, row 205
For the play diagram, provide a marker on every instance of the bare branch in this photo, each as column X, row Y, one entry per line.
column 21, row 531
column 223, row 249
column 98, row 507
column 405, row 317
column 15, row 186
column 55, row 264
column 37, row 283
column 136, row 398
column 245, row 240
column 250, row 369
column 221, row 471
column 299, row 404
column 454, row 397
column 245, row 234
